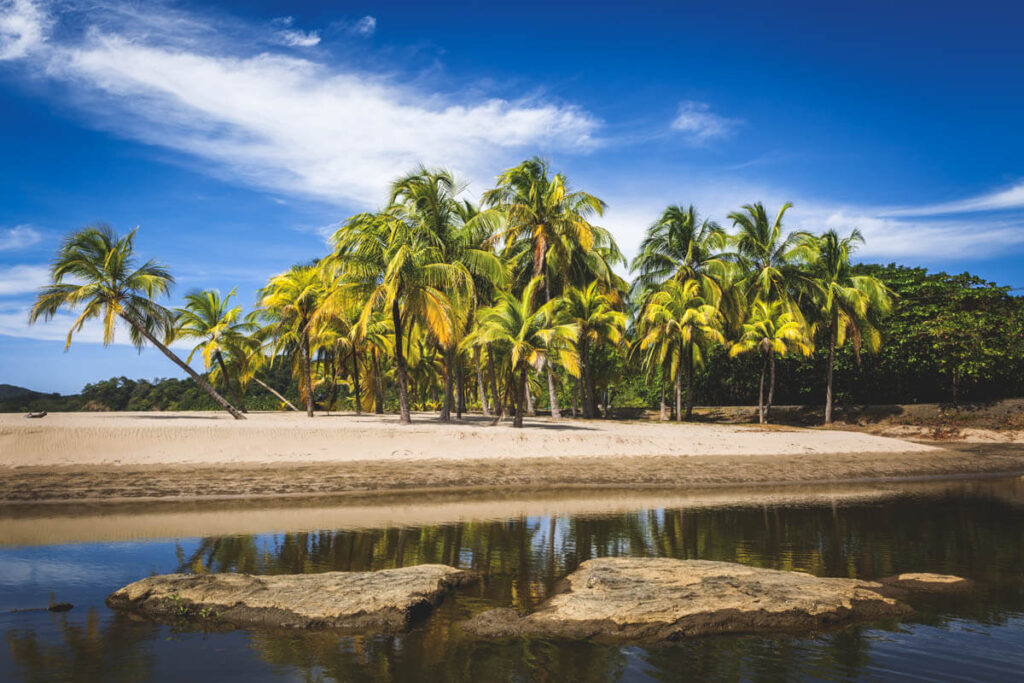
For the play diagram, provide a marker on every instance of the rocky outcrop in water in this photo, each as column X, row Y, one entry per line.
column 385, row 601
column 658, row 599
column 922, row 582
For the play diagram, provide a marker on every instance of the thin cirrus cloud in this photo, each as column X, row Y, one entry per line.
column 1010, row 198
column 700, row 125
column 19, row 237
column 280, row 121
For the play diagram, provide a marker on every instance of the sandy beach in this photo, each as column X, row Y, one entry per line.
column 111, row 456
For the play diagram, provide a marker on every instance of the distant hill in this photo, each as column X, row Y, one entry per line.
column 9, row 391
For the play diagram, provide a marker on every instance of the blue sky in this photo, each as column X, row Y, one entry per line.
column 235, row 135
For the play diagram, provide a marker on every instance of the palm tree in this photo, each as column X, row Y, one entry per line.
column 428, row 200
column 207, row 317
column 289, row 302
column 772, row 329
column 680, row 246
column 591, row 311
column 845, row 302
column 678, row 323
column 771, row 261
column 553, row 220
column 105, row 279
column 527, row 331
column 396, row 266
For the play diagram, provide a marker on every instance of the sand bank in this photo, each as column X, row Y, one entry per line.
column 94, row 457
column 215, row 438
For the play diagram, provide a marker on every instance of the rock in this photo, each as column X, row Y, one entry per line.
column 385, row 601
column 657, row 599
column 928, row 583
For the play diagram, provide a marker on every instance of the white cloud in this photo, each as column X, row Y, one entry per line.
column 18, row 237
column 300, row 38
column 1010, row 198
column 912, row 239
column 700, row 125
column 22, row 279
column 22, row 25
column 365, row 26
column 292, row 124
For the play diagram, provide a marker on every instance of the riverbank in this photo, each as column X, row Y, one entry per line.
column 135, row 456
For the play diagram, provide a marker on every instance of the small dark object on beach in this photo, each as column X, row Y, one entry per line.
column 39, row 414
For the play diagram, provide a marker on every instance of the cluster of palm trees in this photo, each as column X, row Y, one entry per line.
column 435, row 294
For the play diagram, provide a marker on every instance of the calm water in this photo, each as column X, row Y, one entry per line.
column 971, row 529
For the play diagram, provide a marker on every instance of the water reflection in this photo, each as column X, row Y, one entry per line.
column 975, row 530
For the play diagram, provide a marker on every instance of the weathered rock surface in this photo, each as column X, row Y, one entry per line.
column 384, row 601
column 928, row 583
column 657, row 599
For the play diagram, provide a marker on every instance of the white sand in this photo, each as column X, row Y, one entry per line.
column 215, row 438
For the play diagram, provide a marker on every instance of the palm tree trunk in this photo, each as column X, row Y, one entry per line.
column 274, row 392
column 588, row 396
column 494, row 383
column 460, row 388
column 355, row 379
column 828, row 374
column 232, row 389
column 771, row 388
column 199, row 379
column 552, row 395
column 523, row 392
column 307, row 373
column 446, row 406
column 761, row 416
column 689, row 382
column 661, row 380
column 333, row 399
column 481, row 390
column 378, row 383
column 531, row 410
column 679, row 390
column 403, row 390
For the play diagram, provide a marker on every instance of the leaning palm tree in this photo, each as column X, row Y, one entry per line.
column 289, row 301
column 207, row 317
column 772, row 329
column 592, row 312
column 772, row 262
column 96, row 269
column 552, row 219
column 525, row 328
column 677, row 317
column 845, row 302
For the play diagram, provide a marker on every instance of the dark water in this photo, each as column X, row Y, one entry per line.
column 971, row 529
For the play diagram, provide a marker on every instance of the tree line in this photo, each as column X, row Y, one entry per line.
column 514, row 304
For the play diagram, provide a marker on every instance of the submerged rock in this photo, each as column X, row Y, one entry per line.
column 928, row 583
column 658, row 599
column 384, row 601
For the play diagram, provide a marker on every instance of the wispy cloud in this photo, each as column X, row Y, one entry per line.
column 22, row 279
column 18, row 237
column 700, row 125
column 287, row 123
column 22, row 25
column 365, row 26
column 293, row 37
column 1009, row 198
